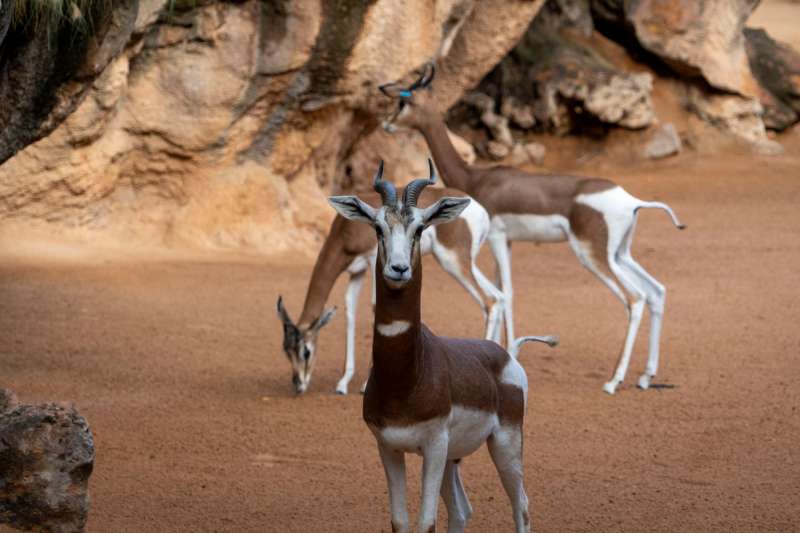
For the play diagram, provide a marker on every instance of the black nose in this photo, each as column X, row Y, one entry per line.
column 399, row 268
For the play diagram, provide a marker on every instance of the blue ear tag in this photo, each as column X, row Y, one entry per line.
column 405, row 94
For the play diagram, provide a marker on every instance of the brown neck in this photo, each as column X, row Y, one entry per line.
column 454, row 171
column 331, row 262
column 396, row 358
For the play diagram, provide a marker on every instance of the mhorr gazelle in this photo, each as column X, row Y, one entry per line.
column 351, row 247
column 595, row 216
column 435, row 396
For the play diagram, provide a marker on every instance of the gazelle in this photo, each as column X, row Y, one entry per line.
column 438, row 397
column 351, row 247
column 595, row 216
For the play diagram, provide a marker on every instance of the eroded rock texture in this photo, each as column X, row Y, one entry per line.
column 559, row 76
column 566, row 74
column 219, row 124
column 46, row 458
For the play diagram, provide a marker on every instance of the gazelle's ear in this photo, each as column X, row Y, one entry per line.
column 282, row 314
column 323, row 319
column 395, row 90
column 352, row 208
column 444, row 210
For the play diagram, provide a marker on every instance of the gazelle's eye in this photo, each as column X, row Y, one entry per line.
column 418, row 233
column 378, row 231
column 306, row 354
column 402, row 103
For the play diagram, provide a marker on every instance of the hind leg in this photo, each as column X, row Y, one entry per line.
column 505, row 448
column 656, row 295
column 455, row 499
column 585, row 253
column 458, row 264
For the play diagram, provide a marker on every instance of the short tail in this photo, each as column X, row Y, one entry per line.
column 550, row 340
column 665, row 207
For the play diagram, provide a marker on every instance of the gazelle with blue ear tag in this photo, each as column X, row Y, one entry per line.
column 438, row 397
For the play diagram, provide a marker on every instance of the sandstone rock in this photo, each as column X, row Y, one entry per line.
column 519, row 113
column 497, row 124
column 497, row 150
column 47, row 456
column 558, row 71
column 694, row 37
column 777, row 69
column 664, row 143
column 224, row 124
column 525, row 154
column 736, row 115
column 8, row 400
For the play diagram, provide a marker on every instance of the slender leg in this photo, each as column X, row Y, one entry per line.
column 451, row 263
column 636, row 309
column 455, row 499
column 494, row 322
column 394, row 465
column 498, row 243
column 434, row 459
column 351, row 303
column 656, row 297
column 505, row 448
column 584, row 254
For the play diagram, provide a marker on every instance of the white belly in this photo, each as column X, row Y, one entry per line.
column 537, row 228
column 466, row 430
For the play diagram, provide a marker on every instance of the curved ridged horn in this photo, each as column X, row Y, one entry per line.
column 384, row 188
column 431, row 71
column 413, row 189
column 426, row 78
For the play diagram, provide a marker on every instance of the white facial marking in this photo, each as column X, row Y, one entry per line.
column 393, row 328
column 538, row 228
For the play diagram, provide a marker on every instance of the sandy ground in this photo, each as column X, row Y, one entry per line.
column 177, row 365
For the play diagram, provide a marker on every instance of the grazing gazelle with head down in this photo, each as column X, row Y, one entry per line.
column 438, row 397
column 351, row 247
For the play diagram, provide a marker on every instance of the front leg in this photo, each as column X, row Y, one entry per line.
column 350, row 303
column 434, row 460
column 501, row 250
column 394, row 465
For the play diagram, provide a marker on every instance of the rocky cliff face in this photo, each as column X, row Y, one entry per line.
column 226, row 124
column 214, row 124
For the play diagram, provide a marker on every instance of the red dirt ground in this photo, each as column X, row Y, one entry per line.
column 178, row 367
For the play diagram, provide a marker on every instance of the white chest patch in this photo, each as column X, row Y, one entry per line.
column 537, row 228
column 393, row 328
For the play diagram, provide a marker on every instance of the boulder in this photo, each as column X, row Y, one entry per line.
column 696, row 38
column 558, row 78
column 46, row 458
column 527, row 153
column 777, row 68
column 734, row 114
column 664, row 143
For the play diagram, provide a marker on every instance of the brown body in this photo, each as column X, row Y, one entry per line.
column 439, row 397
column 406, row 385
column 596, row 217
